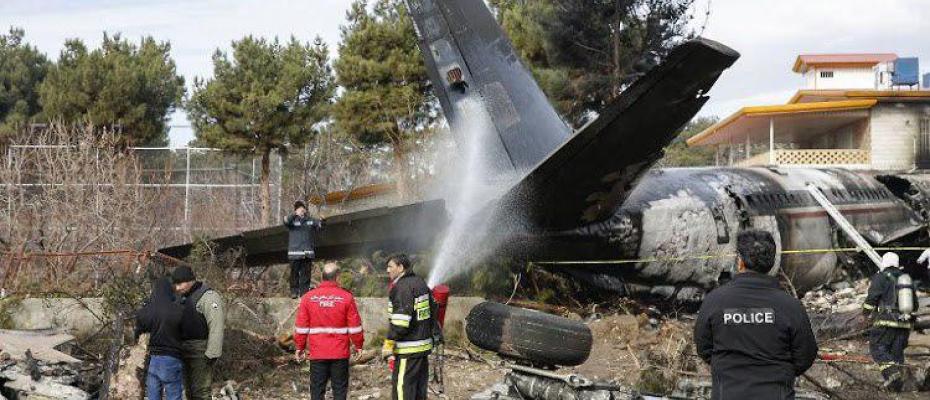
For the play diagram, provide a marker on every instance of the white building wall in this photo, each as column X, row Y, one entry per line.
column 893, row 129
column 843, row 78
column 810, row 81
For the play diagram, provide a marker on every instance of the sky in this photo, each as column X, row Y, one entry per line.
column 768, row 33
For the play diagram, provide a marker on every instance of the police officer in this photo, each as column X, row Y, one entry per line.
column 409, row 339
column 301, row 230
column 756, row 338
column 203, row 327
column 890, row 328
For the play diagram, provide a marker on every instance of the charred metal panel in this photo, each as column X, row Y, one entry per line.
column 677, row 214
column 410, row 228
column 463, row 35
column 913, row 189
column 589, row 176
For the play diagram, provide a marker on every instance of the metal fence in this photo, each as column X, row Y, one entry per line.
column 210, row 191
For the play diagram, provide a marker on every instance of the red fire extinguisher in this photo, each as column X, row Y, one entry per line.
column 441, row 297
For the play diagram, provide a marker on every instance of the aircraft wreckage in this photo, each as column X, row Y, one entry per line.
column 592, row 197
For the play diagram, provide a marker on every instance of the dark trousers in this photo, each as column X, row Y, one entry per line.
column 198, row 370
column 886, row 345
column 323, row 371
column 411, row 378
column 300, row 275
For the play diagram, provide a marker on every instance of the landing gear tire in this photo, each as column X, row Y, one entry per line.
column 526, row 335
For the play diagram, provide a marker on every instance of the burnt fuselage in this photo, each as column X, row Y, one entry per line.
column 675, row 233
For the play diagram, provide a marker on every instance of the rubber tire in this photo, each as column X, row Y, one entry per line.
column 521, row 334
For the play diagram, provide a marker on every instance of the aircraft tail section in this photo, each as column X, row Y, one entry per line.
column 472, row 64
column 590, row 175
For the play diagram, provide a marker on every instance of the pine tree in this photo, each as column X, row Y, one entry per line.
column 22, row 70
column 121, row 84
column 387, row 98
column 585, row 52
column 268, row 97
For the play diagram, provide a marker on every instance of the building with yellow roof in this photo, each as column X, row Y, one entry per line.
column 860, row 111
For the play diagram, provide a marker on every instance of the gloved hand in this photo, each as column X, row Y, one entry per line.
column 387, row 350
column 924, row 257
column 299, row 356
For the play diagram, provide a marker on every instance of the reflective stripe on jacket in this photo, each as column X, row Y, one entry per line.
column 327, row 321
column 300, row 239
column 410, row 316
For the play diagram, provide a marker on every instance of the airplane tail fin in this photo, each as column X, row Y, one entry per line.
column 590, row 175
column 468, row 57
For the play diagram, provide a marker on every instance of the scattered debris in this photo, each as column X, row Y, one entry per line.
column 30, row 368
column 228, row 392
column 839, row 299
column 40, row 343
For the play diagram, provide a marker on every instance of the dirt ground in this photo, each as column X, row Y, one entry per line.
column 373, row 381
column 636, row 351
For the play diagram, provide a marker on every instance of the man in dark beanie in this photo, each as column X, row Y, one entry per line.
column 202, row 326
column 301, row 228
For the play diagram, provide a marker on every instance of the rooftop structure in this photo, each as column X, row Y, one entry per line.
column 851, row 112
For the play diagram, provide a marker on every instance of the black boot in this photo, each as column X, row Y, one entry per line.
column 894, row 379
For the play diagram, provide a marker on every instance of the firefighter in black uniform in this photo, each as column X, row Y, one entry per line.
column 410, row 336
column 890, row 327
column 755, row 336
column 301, row 230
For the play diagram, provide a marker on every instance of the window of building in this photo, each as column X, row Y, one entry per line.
column 925, row 126
column 826, row 74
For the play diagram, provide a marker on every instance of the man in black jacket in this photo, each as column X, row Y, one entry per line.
column 301, row 230
column 756, row 338
column 161, row 318
column 410, row 336
column 890, row 328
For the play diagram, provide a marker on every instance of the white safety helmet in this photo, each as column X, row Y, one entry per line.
column 889, row 259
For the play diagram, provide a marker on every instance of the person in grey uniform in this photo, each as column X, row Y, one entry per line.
column 302, row 230
column 203, row 325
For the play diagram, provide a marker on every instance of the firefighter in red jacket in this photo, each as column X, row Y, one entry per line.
column 327, row 322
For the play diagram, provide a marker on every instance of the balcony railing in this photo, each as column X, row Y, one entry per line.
column 818, row 157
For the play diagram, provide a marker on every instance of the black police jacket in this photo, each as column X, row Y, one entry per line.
column 755, row 337
column 411, row 316
column 882, row 300
column 301, row 231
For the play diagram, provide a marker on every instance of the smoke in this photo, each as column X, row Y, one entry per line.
column 472, row 188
